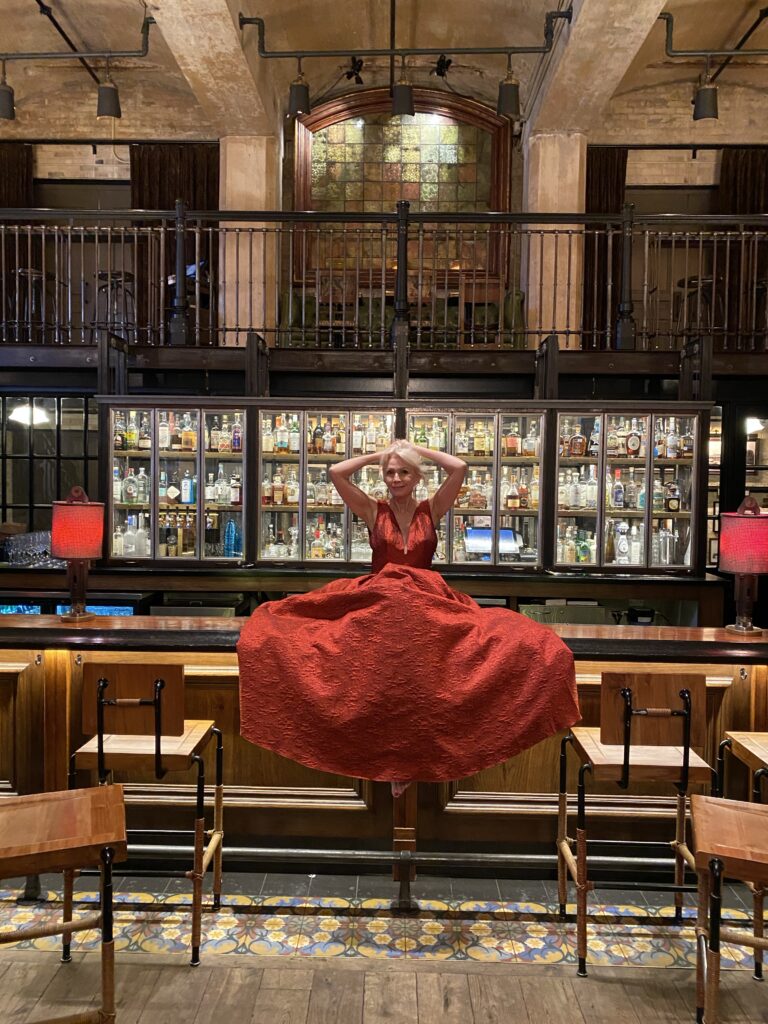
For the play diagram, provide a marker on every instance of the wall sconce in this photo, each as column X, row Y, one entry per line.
column 77, row 535
column 108, row 104
column 402, row 91
column 744, row 551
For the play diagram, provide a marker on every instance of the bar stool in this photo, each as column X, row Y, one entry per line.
column 751, row 748
column 67, row 831
column 731, row 839
column 115, row 304
column 649, row 724
column 141, row 724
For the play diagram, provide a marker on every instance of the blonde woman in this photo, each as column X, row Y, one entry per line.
column 395, row 675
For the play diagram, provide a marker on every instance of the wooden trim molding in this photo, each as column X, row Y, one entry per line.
column 430, row 101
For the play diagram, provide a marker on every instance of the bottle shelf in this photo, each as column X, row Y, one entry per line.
column 131, row 506
column 279, row 457
column 222, row 456
column 477, row 460
column 517, row 460
column 577, row 460
column 184, row 456
column 133, row 453
column 325, row 508
column 280, row 508
column 325, row 458
column 528, row 513
column 177, row 506
column 626, row 460
column 473, row 511
column 674, row 462
column 582, row 513
column 670, row 515
column 211, row 506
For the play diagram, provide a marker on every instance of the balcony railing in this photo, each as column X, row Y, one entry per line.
column 335, row 281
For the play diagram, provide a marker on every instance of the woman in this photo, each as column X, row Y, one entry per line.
column 395, row 675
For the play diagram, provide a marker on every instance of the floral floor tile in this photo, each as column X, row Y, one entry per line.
column 458, row 938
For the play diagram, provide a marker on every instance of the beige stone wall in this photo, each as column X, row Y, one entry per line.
column 97, row 163
column 673, row 167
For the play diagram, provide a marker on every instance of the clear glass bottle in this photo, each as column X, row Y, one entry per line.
column 267, row 437
column 130, row 487
column 132, row 433
column 237, row 434
column 188, row 434
column 594, row 439
column 225, row 435
column 358, row 437
column 535, row 488
column 145, row 436
column 530, row 446
column 142, row 486
column 634, row 440
column 163, row 433
column 673, row 440
column 513, row 441
column 577, row 443
column 618, row 491
column 117, row 541
column 186, row 488
column 221, row 487
column 118, row 434
column 215, row 433
column 117, row 484
column 591, row 488
column 266, row 490
column 129, row 538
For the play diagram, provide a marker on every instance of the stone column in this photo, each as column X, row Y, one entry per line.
column 553, row 255
column 249, row 179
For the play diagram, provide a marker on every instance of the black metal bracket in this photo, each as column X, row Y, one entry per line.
column 718, row 782
column 630, row 711
column 761, row 773
column 155, row 702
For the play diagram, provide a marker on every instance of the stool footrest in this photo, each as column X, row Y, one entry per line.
column 80, row 924
column 739, row 937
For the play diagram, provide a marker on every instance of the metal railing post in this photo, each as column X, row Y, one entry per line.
column 401, row 325
column 178, row 331
column 625, row 325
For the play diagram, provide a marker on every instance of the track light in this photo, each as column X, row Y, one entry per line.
column 298, row 97
column 705, row 100
column 402, row 94
column 508, row 102
column 355, row 67
column 7, row 108
column 108, row 102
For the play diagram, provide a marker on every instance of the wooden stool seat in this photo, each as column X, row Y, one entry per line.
column 65, row 832
column 750, row 747
column 126, row 752
column 735, row 833
column 56, row 831
column 647, row 764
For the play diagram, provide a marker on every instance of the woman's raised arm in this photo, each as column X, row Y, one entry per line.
column 448, row 491
column 356, row 500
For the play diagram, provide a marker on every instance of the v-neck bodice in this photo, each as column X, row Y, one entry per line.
column 389, row 545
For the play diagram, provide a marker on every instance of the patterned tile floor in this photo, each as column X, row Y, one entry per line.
column 459, row 919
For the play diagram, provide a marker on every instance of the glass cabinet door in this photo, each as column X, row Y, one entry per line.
column 578, row 489
column 224, row 451
column 519, row 488
column 370, row 432
column 324, row 528
column 472, row 537
column 178, row 433
column 626, row 489
column 132, row 439
column 434, row 432
column 672, row 489
column 280, row 488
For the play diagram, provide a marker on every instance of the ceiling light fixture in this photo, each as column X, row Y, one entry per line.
column 705, row 97
column 402, row 94
column 402, row 90
column 298, row 97
column 355, row 67
column 7, row 106
column 108, row 103
column 508, row 102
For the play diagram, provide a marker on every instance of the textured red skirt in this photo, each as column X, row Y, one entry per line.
column 397, row 676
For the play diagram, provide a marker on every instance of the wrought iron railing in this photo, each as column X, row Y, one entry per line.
column 341, row 281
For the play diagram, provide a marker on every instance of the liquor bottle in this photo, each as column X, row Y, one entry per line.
column 142, row 486
column 230, row 536
column 635, row 545
column 479, row 444
column 206, row 435
column 421, row 493
column 524, row 491
column 530, row 446
column 630, row 491
column 658, row 494
column 213, row 436
column 145, row 438
column 686, row 441
column 341, row 437
column 329, row 440
column 225, row 435
column 577, row 444
column 612, row 440
column 132, row 433
column 535, row 488
column 634, row 440
column 671, row 496
column 594, row 438
column 186, row 488
column 117, row 541
column 234, row 489
column 618, row 491
column 608, row 489
column 610, row 543
column 237, row 435
column 163, row 433
column 294, row 437
column 142, row 538
column 321, row 489
column 267, row 437
column 659, row 440
column 174, row 488
column 503, row 488
column 382, row 435
column 370, row 437
column 171, row 537
column 189, row 433
column 562, row 490
column 461, row 441
column 317, row 548
column 130, row 487
column 210, row 489
column 221, row 488
column 117, row 484
column 513, row 441
column 513, row 495
column 282, row 437
column 118, row 434
column 564, row 444
column 582, row 547
column 673, row 440
column 358, row 437
column 591, row 488
column 175, row 429
column 292, row 489
column 641, row 495
column 622, row 543
column 621, row 438
column 129, row 538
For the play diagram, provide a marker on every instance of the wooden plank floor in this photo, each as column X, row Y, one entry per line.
column 163, row 989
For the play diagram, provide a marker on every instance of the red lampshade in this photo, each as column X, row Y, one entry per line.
column 77, row 528
column 743, row 543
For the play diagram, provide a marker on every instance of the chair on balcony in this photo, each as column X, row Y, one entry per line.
column 374, row 321
column 649, row 725
column 490, row 318
column 298, row 319
column 116, row 305
column 137, row 713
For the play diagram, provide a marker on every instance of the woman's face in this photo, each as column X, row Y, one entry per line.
column 399, row 477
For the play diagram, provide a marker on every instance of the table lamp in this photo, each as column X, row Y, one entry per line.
column 77, row 535
column 744, row 551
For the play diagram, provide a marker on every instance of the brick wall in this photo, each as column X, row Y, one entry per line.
column 98, row 163
column 673, row 167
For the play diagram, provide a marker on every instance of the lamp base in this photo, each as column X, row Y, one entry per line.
column 744, row 630
column 77, row 616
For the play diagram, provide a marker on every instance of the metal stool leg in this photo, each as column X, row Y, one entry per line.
column 196, row 874
column 713, row 952
column 758, row 927
column 107, row 1012
column 66, row 937
column 218, row 820
column 701, row 943
column 582, row 883
column 679, row 859
column 562, row 829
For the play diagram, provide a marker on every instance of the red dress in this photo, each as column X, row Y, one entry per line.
column 395, row 675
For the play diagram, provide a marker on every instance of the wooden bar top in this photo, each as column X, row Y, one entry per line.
column 192, row 633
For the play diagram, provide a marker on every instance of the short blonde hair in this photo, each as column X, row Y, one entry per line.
column 405, row 451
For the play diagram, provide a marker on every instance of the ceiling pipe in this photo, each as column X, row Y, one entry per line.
column 747, row 35
column 672, row 52
column 89, row 54
column 46, row 11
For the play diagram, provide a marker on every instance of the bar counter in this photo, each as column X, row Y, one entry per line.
column 269, row 798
